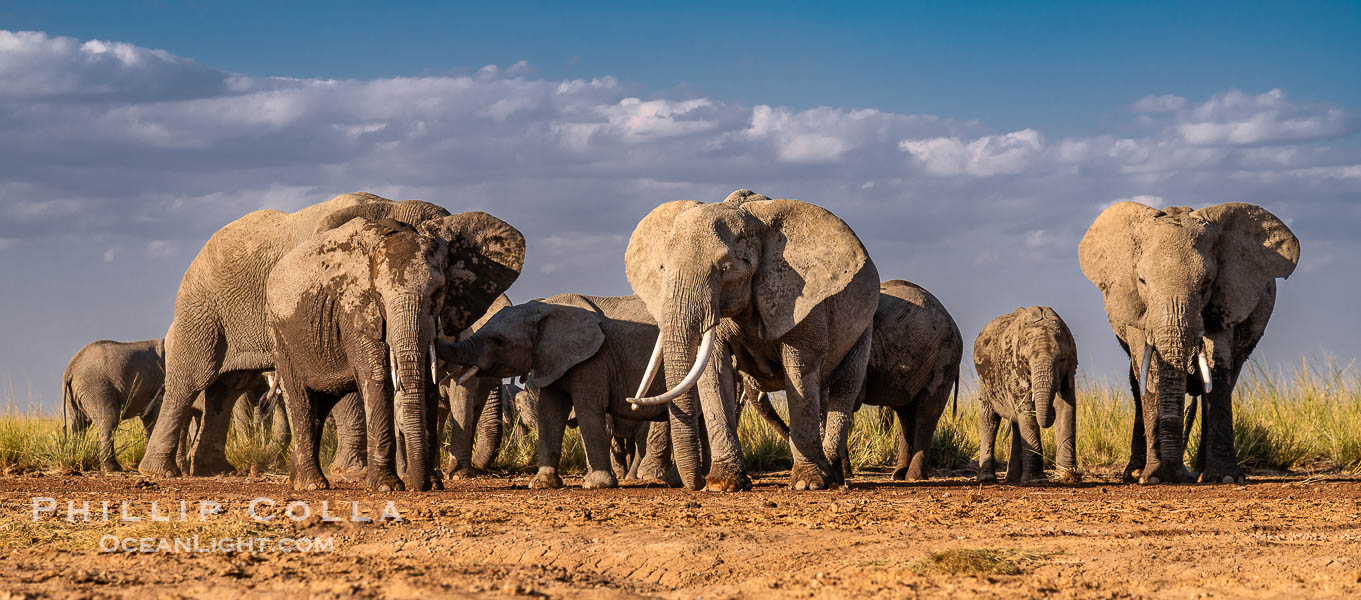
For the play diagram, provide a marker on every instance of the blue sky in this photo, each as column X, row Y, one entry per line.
column 969, row 145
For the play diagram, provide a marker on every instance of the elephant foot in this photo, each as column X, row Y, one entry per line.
column 347, row 470
column 1234, row 474
column 465, row 473
column 596, row 480
column 735, row 481
column 654, row 470
column 111, row 466
column 158, row 466
column 311, row 481
column 1067, row 476
column 209, row 466
column 437, row 480
column 1167, row 473
column 545, row 480
column 422, row 483
column 984, row 477
column 1034, row 477
column 909, row 474
column 385, row 482
column 1133, row 471
column 808, row 476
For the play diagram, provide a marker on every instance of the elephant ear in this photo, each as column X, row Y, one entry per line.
column 1107, row 254
column 647, row 250
column 411, row 212
column 807, row 255
column 501, row 302
column 485, row 257
column 1254, row 249
column 566, row 336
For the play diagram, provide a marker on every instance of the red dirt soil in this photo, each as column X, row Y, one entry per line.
column 1275, row 537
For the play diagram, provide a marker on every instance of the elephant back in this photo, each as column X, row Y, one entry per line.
column 914, row 337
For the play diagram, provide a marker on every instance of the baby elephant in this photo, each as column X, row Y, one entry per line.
column 1023, row 360
column 108, row 381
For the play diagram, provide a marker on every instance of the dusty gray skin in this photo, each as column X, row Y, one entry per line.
column 107, row 382
column 581, row 353
column 1027, row 366
column 474, row 406
column 219, row 324
column 359, row 307
column 914, row 365
column 782, row 286
column 1186, row 291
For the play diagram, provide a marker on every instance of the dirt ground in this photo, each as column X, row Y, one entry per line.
column 1275, row 537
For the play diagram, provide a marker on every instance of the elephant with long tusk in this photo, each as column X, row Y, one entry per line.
column 1188, row 294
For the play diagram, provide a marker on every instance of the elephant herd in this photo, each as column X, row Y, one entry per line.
column 391, row 316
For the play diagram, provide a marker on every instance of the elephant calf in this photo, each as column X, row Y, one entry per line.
column 107, row 382
column 579, row 352
column 1024, row 359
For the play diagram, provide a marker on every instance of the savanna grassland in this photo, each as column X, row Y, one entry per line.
column 1291, row 531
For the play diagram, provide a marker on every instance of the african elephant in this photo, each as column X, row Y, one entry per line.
column 475, row 406
column 1027, row 370
column 219, row 326
column 1186, row 291
column 107, row 382
column 914, row 364
column 351, row 306
column 784, row 287
column 579, row 352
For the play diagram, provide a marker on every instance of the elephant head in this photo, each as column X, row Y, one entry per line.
column 539, row 339
column 1042, row 346
column 1169, row 276
column 763, row 263
column 485, row 255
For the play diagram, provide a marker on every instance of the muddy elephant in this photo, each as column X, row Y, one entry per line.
column 1188, row 294
column 1027, row 369
column 107, row 382
column 913, row 367
column 219, row 325
column 581, row 353
column 783, row 287
column 475, row 409
column 358, row 308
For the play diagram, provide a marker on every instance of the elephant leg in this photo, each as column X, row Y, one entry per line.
column 717, row 390
column 349, row 462
column 1014, row 466
column 105, row 411
column 988, row 422
column 208, row 454
column 619, row 456
column 596, row 436
column 656, row 464
column 637, row 443
column 487, row 443
column 302, row 414
column 553, row 408
column 380, row 473
column 848, row 380
column 1031, row 458
column 904, row 460
column 1217, row 443
column 462, row 421
column 1138, row 444
column 811, row 469
column 1065, row 434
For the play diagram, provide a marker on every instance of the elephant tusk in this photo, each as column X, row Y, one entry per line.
column 468, row 374
column 392, row 366
column 706, row 347
column 1204, row 368
column 652, row 368
column 1143, row 367
column 434, row 367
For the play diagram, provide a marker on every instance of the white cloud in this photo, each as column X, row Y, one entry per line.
column 983, row 157
column 1158, row 104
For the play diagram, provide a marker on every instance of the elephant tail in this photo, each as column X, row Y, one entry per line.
column 68, row 399
column 954, row 400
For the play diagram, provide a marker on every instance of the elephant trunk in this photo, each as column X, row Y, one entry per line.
column 687, row 338
column 1175, row 339
column 408, row 344
column 1042, row 389
column 489, row 428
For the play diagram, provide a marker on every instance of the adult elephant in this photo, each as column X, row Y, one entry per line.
column 474, row 407
column 107, row 382
column 219, row 323
column 581, row 353
column 356, row 304
column 784, row 287
column 1186, row 291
